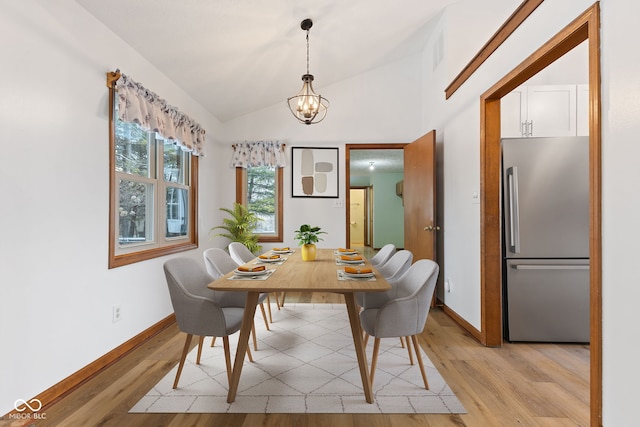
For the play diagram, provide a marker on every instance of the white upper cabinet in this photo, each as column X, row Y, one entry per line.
column 513, row 113
column 542, row 110
column 583, row 110
column 551, row 110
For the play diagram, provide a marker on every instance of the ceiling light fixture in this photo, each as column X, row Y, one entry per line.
column 371, row 166
column 307, row 106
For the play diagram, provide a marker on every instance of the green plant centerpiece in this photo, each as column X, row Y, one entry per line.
column 239, row 227
column 307, row 237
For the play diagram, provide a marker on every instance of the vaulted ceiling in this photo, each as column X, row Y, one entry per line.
column 239, row 56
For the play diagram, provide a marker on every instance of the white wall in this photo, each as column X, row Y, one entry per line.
column 621, row 210
column 56, row 290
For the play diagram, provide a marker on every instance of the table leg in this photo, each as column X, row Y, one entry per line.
column 243, row 343
column 354, row 320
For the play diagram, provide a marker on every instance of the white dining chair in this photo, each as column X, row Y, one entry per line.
column 405, row 314
column 383, row 255
column 218, row 263
column 242, row 255
column 391, row 270
column 396, row 265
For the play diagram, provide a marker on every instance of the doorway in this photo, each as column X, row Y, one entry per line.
column 585, row 27
column 360, row 214
column 387, row 159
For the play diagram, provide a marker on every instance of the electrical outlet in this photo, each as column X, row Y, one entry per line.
column 448, row 285
column 117, row 313
column 337, row 203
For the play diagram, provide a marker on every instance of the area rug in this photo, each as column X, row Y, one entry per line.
column 306, row 363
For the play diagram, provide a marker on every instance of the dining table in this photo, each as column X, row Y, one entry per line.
column 292, row 274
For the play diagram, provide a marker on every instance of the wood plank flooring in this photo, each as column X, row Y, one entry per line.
column 518, row 384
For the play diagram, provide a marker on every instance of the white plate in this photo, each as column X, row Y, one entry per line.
column 356, row 261
column 283, row 252
column 250, row 273
column 358, row 275
column 271, row 259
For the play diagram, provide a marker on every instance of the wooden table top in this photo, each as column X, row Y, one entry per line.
column 296, row 275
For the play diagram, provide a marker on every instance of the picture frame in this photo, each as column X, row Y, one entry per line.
column 315, row 172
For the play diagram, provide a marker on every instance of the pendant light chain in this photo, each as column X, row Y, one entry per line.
column 308, row 52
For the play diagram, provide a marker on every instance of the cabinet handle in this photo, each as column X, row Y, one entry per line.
column 548, row 267
column 530, row 127
column 514, row 209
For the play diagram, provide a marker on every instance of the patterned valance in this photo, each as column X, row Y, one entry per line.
column 258, row 153
column 136, row 104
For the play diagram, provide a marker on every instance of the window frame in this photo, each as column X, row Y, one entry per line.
column 241, row 197
column 163, row 245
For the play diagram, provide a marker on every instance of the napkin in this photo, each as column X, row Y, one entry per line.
column 345, row 250
column 281, row 249
column 275, row 256
column 356, row 270
column 351, row 257
column 247, row 268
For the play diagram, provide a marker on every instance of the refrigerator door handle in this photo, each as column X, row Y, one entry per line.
column 514, row 214
column 549, row 267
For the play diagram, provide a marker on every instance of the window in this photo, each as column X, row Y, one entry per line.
column 260, row 190
column 153, row 192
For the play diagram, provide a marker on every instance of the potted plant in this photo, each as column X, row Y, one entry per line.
column 239, row 227
column 307, row 237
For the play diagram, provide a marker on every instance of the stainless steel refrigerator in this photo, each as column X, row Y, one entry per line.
column 546, row 239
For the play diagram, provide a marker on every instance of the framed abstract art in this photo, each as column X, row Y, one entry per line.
column 314, row 172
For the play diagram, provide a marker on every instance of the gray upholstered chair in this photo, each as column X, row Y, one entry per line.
column 397, row 265
column 242, row 255
column 383, row 255
column 218, row 263
column 405, row 314
column 391, row 271
column 199, row 310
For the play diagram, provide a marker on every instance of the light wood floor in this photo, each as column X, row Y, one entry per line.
column 518, row 384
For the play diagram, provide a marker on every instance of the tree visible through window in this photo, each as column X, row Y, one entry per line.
column 260, row 189
column 261, row 197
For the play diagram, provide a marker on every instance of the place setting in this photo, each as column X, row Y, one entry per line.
column 271, row 258
column 356, row 273
column 282, row 251
column 245, row 272
column 348, row 257
column 345, row 252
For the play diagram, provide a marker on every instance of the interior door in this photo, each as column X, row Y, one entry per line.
column 358, row 219
column 419, row 195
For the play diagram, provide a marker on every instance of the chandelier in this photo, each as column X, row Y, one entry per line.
column 307, row 106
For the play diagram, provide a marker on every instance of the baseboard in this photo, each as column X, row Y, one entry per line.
column 475, row 333
column 66, row 386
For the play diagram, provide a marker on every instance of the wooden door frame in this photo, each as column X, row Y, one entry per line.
column 347, row 177
column 585, row 27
